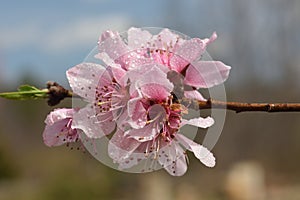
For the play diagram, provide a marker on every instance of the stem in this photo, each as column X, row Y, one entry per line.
column 55, row 93
column 243, row 107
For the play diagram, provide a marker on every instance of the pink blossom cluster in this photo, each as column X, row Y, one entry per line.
column 134, row 99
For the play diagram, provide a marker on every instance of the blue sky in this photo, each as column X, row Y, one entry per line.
column 45, row 38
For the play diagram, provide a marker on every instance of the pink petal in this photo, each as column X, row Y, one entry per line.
column 155, row 85
column 57, row 134
column 120, row 147
column 144, row 134
column 199, row 122
column 53, row 134
column 155, row 91
column 194, row 94
column 204, row 155
column 200, row 152
column 156, row 75
column 107, row 60
column 118, row 72
column 205, row 74
column 111, row 43
column 212, row 38
column 139, row 72
column 133, row 160
column 167, row 154
column 178, row 168
column 59, row 114
column 173, row 159
column 189, row 51
column 58, row 128
column 92, row 124
column 156, row 115
column 164, row 39
column 85, row 77
column 138, row 38
column 119, row 75
column 136, row 113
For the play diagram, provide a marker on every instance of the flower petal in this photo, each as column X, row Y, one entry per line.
column 194, row 94
column 166, row 38
column 92, row 124
column 155, row 85
column 200, row 152
column 111, row 43
column 138, row 38
column 147, row 133
column 212, row 38
column 85, row 77
column 106, row 59
column 58, row 128
column 189, row 51
column 59, row 114
column 178, row 168
column 204, row 155
column 136, row 113
column 154, row 117
column 120, row 147
column 56, row 134
column 199, row 122
column 205, row 74
column 172, row 158
column 133, row 160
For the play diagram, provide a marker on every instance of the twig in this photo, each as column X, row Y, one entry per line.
column 243, row 107
column 55, row 93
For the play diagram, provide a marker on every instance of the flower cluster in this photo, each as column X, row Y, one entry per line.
column 134, row 99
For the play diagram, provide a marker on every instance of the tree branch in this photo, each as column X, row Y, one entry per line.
column 55, row 93
column 242, row 107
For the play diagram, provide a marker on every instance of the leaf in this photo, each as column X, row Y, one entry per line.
column 27, row 88
column 25, row 92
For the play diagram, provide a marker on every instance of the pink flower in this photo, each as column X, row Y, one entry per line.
column 136, row 98
column 167, row 48
column 163, row 147
column 105, row 94
column 153, row 133
column 58, row 128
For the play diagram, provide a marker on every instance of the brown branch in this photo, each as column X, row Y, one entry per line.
column 243, row 107
column 57, row 93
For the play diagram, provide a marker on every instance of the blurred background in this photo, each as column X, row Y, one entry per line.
column 257, row 153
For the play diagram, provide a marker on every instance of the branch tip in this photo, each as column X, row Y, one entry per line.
column 56, row 93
